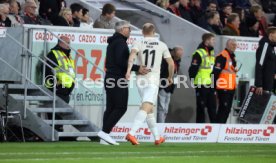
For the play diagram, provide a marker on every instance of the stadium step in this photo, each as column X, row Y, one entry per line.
column 68, row 122
column 50, row 110
column 77, row 134
column 20, row 97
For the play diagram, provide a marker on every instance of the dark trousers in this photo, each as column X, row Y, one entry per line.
column 225, row 98
column 205, row 97
column 116, row 101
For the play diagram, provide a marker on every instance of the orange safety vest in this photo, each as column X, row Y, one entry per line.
column 227, row 77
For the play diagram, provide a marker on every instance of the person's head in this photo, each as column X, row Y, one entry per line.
column 123, row 27
column 252, row 23
column 177, row 52
column 163, row 3
column 108, row 11
column 184, row 2
column 213, row 18
column 76, row 10
column 62, row 44
column 195, row 3
column 231, row 45
column 212, row 5
column 148, row 29
column 234, row 19
column 227, row 8
column 271, row 33
column 30, row 8
column 85, row 15
column 257, row 11
column 240, row 11
column 174, row 3
column 4, row 10
column 66, row 14
column 14, row 8
column 208, row 39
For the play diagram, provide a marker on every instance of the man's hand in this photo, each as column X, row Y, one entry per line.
column 127, row 75
column 275, row 76
column 259, row 91
column 170, row 81
column 143, row 70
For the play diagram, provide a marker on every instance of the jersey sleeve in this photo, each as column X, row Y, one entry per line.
column 166, row 53
column 136, row 46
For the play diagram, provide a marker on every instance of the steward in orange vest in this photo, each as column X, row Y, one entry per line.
column 224, row 72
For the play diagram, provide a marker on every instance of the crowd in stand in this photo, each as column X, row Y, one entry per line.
column 53, row 12
column 224, row 17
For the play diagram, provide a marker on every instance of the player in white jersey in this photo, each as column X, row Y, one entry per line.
column 150, row 52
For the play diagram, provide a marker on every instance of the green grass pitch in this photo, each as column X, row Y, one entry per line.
column 89, row 152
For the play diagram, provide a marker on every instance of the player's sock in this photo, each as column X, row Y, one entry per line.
column 153, row 126
column 138, row 121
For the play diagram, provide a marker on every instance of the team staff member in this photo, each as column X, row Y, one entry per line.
column 164, row 94
column 115, row 83
column 62, row 62
column 266, row 62
column 224, row 73
column 200, row 74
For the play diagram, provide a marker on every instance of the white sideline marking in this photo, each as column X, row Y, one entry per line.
column 118, row 158
column 124, row 153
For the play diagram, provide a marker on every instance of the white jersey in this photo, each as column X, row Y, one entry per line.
column 151, row 51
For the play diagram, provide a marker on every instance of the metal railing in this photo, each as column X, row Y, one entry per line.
column 78, row 54
column 29, row 80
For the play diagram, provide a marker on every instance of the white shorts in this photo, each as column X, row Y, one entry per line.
column 148, row 93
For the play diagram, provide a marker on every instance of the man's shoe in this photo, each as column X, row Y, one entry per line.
column 104, row 142
column 106, row 137
column 160, row 141
column 132, row 139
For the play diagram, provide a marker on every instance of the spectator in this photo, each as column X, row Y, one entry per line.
column 212, row 6
column 185, row 10
column 269, row 6
column 64, row 18
column 50, row 9
column 213, row 23
column 265, row 62
column 165, row 92
column 251, row 28
column 240, row 11
column 163, row 4
column 225, row 12
column 232, row 26
column 196, row 10
column 30, row 16
column 86, row 21
column 76, row 10
column 200, row 74
column 173, row 8
column 106, row 18
column 274, row 21
column 16, row 20
column 206, row 4
column 258, row 13
column 4, row 11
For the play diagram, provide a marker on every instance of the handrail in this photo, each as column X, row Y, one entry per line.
column 26, row 78
column 78, row 54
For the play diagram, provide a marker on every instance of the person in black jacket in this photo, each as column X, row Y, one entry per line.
column 116, row 85
column 266, row 62
column 49, row 9
column 165, row 92
column 76, row 13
